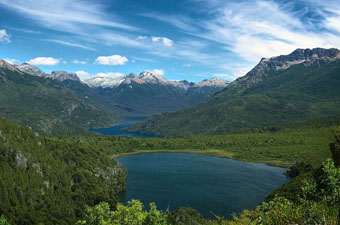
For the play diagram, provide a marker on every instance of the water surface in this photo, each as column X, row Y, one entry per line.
column 118, row 130
column 209, row 184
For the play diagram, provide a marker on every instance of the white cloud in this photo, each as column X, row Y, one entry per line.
column 110, row 74
column 187, row 65
column 46, row 61
column 112, row 60
column 12, row 61
column 79, row 62
column 166, row 41
column 256, row 29
column 83, row 75
column 333, row 23
column 156, row 39
column 142, row 37
column 4, row 37
column 158, row 72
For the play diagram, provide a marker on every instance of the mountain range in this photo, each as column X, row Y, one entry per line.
column 60, row 102
column 286, row 90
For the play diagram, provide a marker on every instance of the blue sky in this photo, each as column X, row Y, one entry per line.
column 178, row 39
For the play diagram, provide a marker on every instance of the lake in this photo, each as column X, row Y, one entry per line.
column 118, row 130
column 209, row 184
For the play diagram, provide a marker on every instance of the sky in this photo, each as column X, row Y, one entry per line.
column 177, row 39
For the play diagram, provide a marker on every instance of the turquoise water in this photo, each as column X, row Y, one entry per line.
column 211, row 185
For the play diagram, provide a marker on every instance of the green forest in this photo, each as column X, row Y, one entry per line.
column 74, row 179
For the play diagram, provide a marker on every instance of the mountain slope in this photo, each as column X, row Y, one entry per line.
column 280, row 91
column 46, row 105
column 149, row 94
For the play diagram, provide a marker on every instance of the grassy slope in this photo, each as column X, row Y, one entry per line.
column 284, row 98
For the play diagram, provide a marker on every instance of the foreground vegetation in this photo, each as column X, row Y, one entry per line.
column 48, row 181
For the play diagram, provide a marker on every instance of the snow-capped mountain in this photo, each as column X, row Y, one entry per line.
column 147, row 77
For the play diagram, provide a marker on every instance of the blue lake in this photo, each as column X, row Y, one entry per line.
column 211, row 185
column 117, row 130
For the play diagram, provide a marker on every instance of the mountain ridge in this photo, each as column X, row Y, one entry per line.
column 276, row 93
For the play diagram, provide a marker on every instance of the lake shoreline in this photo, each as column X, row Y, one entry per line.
column 211, row 152
column 193, row 174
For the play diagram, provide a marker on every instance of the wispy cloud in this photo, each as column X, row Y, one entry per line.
column 143, row 59
column 66, row 43
column 79, row 62
column 261, row 28
column 256, row 29
column 29, row 31
column 4, row 37
column 63, row 15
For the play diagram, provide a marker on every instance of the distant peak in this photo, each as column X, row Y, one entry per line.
column 31, row 69
column 63, row 75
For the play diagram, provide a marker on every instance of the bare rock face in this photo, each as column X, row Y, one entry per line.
column 30, row 69
column 307, row 57
column 57, row 75
column 63, row 75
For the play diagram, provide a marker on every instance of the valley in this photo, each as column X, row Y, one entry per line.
column 101, row 148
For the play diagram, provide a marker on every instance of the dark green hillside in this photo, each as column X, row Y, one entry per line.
column 49, row 181
column 290, row 97
column 104, row 103
column 46, row 105
column 136, row 99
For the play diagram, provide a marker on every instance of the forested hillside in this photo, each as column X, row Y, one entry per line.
column 50, row 181
column 46, row 105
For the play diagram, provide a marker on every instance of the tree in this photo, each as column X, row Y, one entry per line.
column 131, row 214
column 335, row 147
column 3, row 221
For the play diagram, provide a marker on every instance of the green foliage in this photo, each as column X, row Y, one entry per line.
column 289, row 98
column 298, row 168
column 319, row 203
column 48, row 181
column 3, row 221
column 132, row 214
